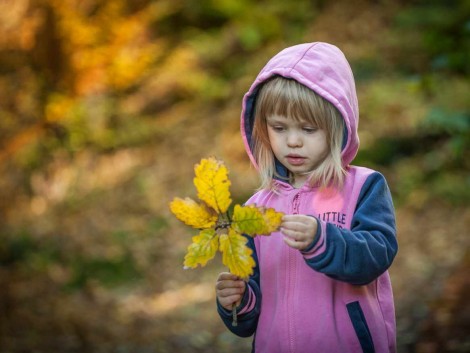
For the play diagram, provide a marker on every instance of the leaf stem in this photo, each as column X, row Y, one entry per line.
column 234, row 315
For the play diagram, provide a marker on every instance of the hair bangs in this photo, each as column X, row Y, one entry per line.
column 289, row 98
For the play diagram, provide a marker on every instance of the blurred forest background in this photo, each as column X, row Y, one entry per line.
column 107, row 105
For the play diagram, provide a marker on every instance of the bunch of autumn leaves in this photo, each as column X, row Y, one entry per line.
column 220, row 229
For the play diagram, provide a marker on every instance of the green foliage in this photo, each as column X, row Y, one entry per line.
column 108, row 272
column 440, row 130
column 443, row 33
column 16, row 249
column 39, row 256
column 456, row 125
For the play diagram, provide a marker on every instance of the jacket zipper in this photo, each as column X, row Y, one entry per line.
column 296, row 203
column 291, row 281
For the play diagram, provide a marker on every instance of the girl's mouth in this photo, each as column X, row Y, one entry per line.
column 295, row 159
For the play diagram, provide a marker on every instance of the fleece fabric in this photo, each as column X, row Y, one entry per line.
column 335, row 296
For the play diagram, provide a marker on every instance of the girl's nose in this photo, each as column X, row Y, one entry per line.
column 294, row 140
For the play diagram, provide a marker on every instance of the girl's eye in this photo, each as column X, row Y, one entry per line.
column 277, row 128
column 309, row 129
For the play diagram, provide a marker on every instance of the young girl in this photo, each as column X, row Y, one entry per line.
column 320, row 283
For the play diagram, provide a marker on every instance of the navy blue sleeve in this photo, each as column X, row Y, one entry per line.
column 360, row 255
column 248, row 321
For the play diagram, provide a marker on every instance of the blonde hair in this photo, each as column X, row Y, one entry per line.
column 289, row 98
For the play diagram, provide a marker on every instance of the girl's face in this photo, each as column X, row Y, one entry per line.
column 298, row 145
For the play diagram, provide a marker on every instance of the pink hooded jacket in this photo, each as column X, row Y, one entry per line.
column 336, row 296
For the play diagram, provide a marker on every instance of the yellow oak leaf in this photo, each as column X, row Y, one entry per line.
column 212, row 184
column 235, row 254
column 272, row 220
column 252, row 220
column 202, row 249
column 220, row 229
column 193, row 214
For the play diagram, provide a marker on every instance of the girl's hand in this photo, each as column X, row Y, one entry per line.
column 229, row 289
column 299, row 230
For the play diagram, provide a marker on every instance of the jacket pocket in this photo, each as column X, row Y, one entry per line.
column 359, row 323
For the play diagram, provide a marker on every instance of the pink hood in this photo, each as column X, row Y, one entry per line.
column 321, row 67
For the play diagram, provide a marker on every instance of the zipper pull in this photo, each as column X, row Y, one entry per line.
column 296, row 203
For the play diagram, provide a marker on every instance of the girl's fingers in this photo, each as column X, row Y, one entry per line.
column 305, row 222
column 299, row 219
column 296, row 240
column 294, row 234
column 227, row 276
column 293, row 227
column 220, row 285
column 296, row 218
column 298, row 230
column 291, row 232
column 299, row 245
column 227, row 302
column 228, row 292
column 229, row 285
